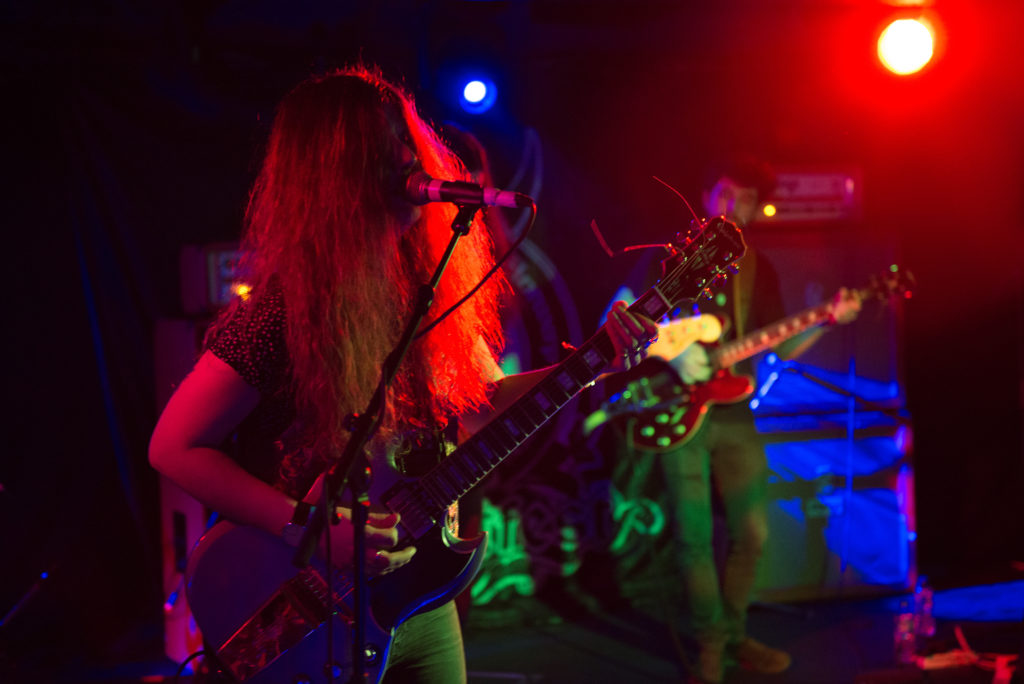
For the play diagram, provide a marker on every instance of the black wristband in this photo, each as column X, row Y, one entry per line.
column 303, row 512
column 293, row 531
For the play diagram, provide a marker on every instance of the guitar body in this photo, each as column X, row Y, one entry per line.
column 254, row 608
column 681, row 409
column 724, row 387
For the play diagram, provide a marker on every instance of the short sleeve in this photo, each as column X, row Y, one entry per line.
column 252, row 341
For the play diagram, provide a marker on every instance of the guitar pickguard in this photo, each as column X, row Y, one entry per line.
column 660, row 413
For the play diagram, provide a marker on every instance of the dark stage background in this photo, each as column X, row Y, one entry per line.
column 133, row 129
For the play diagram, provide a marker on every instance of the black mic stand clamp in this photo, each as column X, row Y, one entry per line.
column 352, row 470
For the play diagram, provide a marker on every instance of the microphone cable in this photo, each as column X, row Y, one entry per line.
column 494, row 269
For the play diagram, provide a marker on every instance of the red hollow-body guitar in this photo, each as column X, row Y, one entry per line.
column 267, row 621
column 660, row 412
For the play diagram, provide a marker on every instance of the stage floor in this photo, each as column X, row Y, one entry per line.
column 836, row 641
column 566, row 641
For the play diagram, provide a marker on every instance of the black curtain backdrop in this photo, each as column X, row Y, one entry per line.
column 130, row 131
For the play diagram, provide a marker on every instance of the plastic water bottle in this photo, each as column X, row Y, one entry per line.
column 904, row 635
column 924, row 618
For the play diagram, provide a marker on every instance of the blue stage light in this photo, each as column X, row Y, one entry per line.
column 478, row 95
column 475, row 91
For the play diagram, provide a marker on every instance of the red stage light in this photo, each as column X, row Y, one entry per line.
column 906, row 46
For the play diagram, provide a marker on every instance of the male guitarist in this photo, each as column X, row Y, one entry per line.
column 335, row 249
column 726, row 451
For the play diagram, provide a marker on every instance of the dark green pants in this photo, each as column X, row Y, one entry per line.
column 427, row 649
column 726, row 453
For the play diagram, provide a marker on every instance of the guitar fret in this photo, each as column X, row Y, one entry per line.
column 466, row 468
column 496, row 441
column 443, row 489
column 494, row 444
column 543, row 401
column 563, row 382
column 579, row 372
column 458, row 479
column 517, row 433
column 488, row 453
column 474, row 456
column 454, row 476
column 502, row 437
column 480, row 468
column 534, row 412
column 592, row 357
column 654, row 304
column 448, row 487
column 433, row 491
column 517, row 412
column 603, row 345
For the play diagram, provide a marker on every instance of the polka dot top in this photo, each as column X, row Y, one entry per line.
column 253, row 343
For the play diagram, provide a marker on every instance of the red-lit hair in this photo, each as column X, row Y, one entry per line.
column 319, row 224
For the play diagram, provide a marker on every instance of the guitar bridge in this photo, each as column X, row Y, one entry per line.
column 295, row 610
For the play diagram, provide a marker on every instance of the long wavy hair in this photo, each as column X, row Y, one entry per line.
column 321, row 224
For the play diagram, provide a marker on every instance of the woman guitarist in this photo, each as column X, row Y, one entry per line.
column 334, row 253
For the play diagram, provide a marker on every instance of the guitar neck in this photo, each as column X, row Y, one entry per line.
column 496, row 441
column 888, row 283
column 767, row 337
column 687, row 276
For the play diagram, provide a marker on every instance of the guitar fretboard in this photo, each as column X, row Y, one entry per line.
column 765, row 338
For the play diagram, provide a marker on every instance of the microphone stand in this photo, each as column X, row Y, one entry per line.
column 351, row 468
column 800, row 369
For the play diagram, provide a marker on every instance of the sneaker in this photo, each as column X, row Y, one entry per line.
column 710, row 666
column 756, row 657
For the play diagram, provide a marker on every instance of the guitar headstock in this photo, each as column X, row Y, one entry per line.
column 701, row 259
column 893, row 282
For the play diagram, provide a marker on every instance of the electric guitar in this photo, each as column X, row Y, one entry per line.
column 267, row 621
column 666, row 412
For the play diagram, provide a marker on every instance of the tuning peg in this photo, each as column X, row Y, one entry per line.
column 706, row 293
column 686, row 237
column 733, row 268
column 719, row 280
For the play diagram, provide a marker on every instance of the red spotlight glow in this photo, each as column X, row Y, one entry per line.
column 905, row 46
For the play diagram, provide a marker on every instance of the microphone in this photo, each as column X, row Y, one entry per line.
column 420, row 188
